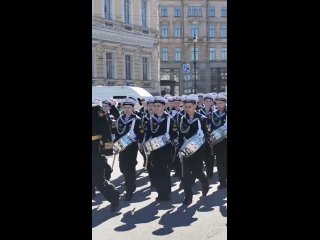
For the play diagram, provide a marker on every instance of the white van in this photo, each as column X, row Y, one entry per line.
column 118, row 92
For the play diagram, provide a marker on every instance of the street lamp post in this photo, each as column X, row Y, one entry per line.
column 195, row 40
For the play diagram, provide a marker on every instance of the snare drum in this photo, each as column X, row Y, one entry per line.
column 122, row 143
column 218, row 135
column 191, row 145
column 156, row 143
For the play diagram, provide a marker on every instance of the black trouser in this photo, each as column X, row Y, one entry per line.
column 127, row 163
column 177, row 166
column 160, row 160
column 150, row 170
column 208, row 159
column 221, row 152
column 144, row 157
column 107, row 170
column 192, row 168
column 107, row 189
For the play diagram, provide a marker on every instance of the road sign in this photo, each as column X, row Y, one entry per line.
column 186, row 68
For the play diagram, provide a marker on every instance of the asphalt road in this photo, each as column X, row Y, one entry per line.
column 143, row 218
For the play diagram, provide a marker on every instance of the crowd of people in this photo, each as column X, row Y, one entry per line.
column 159, row 130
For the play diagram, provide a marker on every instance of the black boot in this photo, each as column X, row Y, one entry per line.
column 115, row 202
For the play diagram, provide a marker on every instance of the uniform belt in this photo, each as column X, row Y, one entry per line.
column 96, row 137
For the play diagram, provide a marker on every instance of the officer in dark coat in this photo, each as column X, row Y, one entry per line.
column 161, row 124
column 190, row 124
column 102, row 144
column 130, row 123
column 219, row 119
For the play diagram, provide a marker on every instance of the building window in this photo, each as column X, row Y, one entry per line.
column 107, row 9
column 212, row 31
column 164, row 11
column 144, row 68
column 212, row 54
column 194, row 12
column 197, row 54
column 223, row 30
column 128, row 67
column 224, row 11
column 177, row 11
column 144, row 13
column 212, row 11
column 164, row 30
column 127, row 11
column 164, row 54
column 177, row 30
column 177, row 53
column 194, row 30
column 110, row 65
column 224, row 54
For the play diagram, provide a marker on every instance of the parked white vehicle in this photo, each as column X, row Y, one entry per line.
column 118, row 92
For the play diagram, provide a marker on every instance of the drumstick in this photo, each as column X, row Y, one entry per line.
column 114, row 157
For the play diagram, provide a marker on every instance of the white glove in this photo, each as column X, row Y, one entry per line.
column 200, row 133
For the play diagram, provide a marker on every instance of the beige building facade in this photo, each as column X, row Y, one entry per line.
column 125, row 44
column 179, row 21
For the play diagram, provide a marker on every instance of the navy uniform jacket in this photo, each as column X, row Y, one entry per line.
column 125, row 126
column 185, row 122
column 178, row 116
column 173, row 112
column 101, row 132
column 154, row 123
column 208, row 115
column 218, row 119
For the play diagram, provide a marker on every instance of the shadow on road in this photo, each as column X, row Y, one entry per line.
column 183, row 216
column 174, row 217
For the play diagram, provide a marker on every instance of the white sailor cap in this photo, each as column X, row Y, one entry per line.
column 221, row 97
column 128, row 101
column 200, row 95
column 195, row 96
column 160, row 99
column 108, row 101
column 209, row 96
column 170, row 99
column 177, row 98
column 167, row 95
column 192, row 98
column 150, row 100
column 183, row 98
column 132, row 97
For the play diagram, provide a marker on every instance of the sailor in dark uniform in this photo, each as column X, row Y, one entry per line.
column 208, row 153
column 102, row 144
column 130, row 123
column 190, row 124
column 161, row 123
column 173, row 113
column 145, row 121
column 219, row 119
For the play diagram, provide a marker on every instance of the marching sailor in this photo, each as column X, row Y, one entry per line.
column 192, row 123
column 161, row 124
column 219, row 120
column 130, row 123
